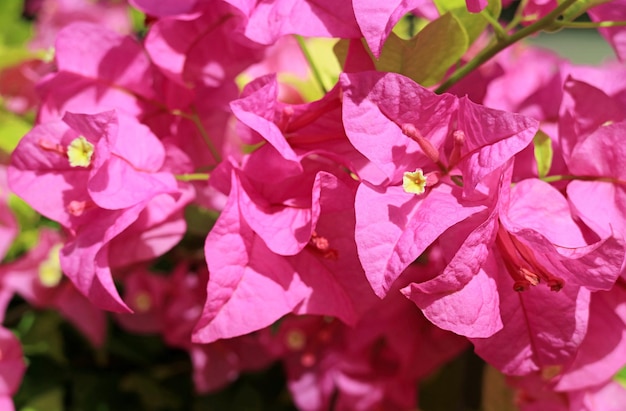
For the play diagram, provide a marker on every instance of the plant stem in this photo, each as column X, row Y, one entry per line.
column 193, row 177
column 195, row 119
column 589, row 24
column 501, row 33
column 566, row 177
column 314, row 69
column 490, row 51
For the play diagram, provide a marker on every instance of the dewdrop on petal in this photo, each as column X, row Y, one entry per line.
column 79, row 152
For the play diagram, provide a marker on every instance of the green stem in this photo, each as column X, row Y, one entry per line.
column 195, row 119
column 490, row 51
column 314, row 69
column 500, row 32
column 518, row 17
column 193, row 177
column 589, row 24
column 566, row 177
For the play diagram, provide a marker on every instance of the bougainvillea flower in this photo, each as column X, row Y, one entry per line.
column 106, row 73
column 294, row 130
column 585, row 108
column 125, row 171
column 472, row 309
column 158, row 228
column 537, row 9
column 309, row 18
column 535, row 392
column 145, row 294
column 182, row 305
column 603, row 351
column 324, row 278
column 79, row 163
column 376, row 19
column 600, row 202
column 404, row 128
column 610, row 397
column 17, row 85
column 162, row 8
column 546, row 274
column 176, row 308
column 532, row 274
column 54, row 15
column 12, row 367
column 177, row 45
column 280, row 198
column 616, row 36
column 374, row 365
column 116, row 73
column 218, row 364
column 8, row 224
column 37, row 278
column 539, row 95
column 599, row 194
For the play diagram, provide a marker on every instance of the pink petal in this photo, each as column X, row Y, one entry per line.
column 394, row 227
column 540, row 328
column 616, row 36
column 85, row 258
column 247, row 290
column 492, row 137
column 95, row 52
column 309, row 18
column 12, row 366
column 533, row 203
column 603, row 351
column 376, row 19
column 476, row 6
column 473, row 311
column 376, row 105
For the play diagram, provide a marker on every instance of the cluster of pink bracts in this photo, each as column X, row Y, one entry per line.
column 380, row 230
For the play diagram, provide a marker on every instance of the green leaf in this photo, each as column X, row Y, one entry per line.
column 200, row 220
column 43, row 377
column 620, row 377
column 409, row 26
column 427, row 57
column 51, row 400
column 26, row 216
column 496, row 394
column 12, row 129
column 12, row 55
column 44, row 337
column 340, row 50
column 15, row 31
column 28, row 221
column 153, row 396
column 473, row 23
column 138, row 21
column 543, row 153
column 579, row 8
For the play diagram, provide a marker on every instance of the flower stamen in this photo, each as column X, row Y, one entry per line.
column 79, row 152
column 522, row 265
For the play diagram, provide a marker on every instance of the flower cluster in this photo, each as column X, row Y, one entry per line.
column 361, row 227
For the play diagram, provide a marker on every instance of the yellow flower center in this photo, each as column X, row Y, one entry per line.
column 296, row 340
column 50, row 273
column 79, row 152
column 414, row 182
column 143, row 302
